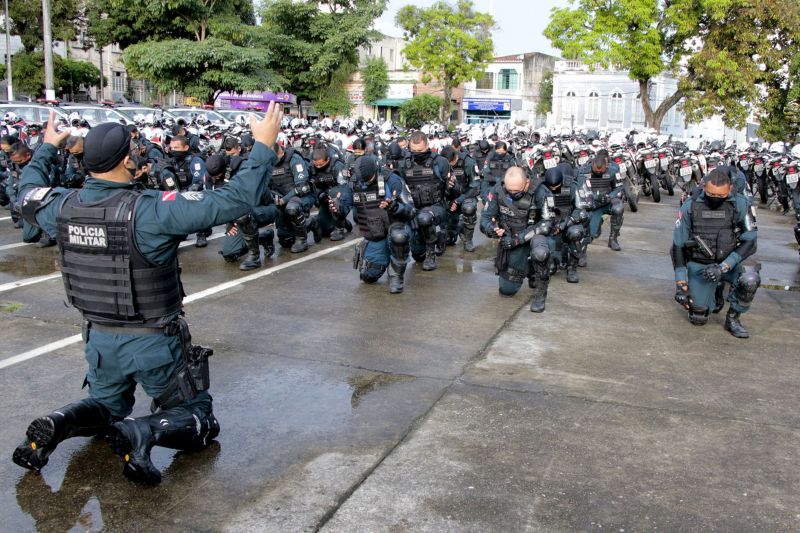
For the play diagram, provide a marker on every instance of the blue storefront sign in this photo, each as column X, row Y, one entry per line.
column 486, row 104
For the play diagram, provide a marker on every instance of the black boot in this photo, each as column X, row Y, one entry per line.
column 467, row 232
column 201, row 241
column 396, row 271
column 612, row 238
column 253, row 258
column 178, row 428
column 266, row 237
column 316, row 229
column 572, row 273
column 539, row 295
column 441, row 241
column 45, row 241
column 85, row 418
column 733, row 325
column 337, row 234
column 430, row 257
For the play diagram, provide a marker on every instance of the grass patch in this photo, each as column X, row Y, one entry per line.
column 10, row 307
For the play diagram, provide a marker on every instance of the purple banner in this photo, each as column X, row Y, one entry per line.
column 258, row 101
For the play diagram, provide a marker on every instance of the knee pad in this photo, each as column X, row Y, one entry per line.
column 746, row 286
column 617, row 207
column 508, row 288
column 247, row 224
column 574, row 233
column 469, row 207
column 540, row 250
column 398, row 235
column 698, row 315
column 425, row 219
column 294, row 209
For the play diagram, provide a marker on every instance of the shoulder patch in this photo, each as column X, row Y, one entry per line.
column 169, row 196
column 299, row 167
column 193, row 196
column 489, row 197
column 36, row 195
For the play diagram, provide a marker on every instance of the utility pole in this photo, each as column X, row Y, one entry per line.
column 9, row 86
column 49, row 90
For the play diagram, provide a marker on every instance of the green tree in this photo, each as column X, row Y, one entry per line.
column 311, row 41
column 218, row 50
column 376, row 79
column 545, row 103
column 421, row 109
column 450, row 43
column 716, row 48
column 69, row 75
column 334, row 100
column 26, row 21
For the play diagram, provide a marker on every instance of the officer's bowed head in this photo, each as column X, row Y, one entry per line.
column 516, row 182
column 717, row 188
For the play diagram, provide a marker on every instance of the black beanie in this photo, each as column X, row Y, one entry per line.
column 105, row 146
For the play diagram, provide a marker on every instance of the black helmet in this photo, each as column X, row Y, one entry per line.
column 553, row 178
column 484, row 145
column 394, row 152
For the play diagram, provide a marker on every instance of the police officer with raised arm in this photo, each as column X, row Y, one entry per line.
column 118, row 247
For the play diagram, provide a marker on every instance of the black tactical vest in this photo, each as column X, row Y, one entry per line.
column 603, row 185
column 717, row 227
column 460, row 174
column 514, row 214
column 183, row 173
column 425, row 187
column 371, row 219
column 324, row 179
column 498, row 167
column 282, row 180
column 105, row 275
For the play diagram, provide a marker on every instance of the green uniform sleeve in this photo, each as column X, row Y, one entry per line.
column 682, row 235
column 37, row 174
column 490, row 214
column 163, row 214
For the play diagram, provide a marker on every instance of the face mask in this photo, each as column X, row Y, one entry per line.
column 714, row 202
column 178, row 154
column 78, row 156
column 420, row 157
column 132, row 172
column 517, row 196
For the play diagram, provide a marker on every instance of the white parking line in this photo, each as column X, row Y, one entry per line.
column 14, row 245
column 57, row 345
column 5, row 218
column 39, row 279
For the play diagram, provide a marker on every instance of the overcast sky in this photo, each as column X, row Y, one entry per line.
column 520, row 23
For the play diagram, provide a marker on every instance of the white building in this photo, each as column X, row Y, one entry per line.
column 508, row 90
column 607, row 99
column 402, row 79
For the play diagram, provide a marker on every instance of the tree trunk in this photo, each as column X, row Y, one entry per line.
column 446, row 108
column 653, row 117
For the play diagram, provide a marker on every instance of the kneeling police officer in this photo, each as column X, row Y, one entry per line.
column 118, row 250
column 715, row 232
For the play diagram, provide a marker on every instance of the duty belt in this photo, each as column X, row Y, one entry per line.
column 170, row 330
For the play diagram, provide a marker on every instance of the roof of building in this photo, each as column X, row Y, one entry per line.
column 516, row 58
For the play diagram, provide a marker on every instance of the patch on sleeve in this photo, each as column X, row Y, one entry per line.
column 193, row 196
column 169, row 196
column 299, row 167
column 551, row 202
column 678, row 221
column 489, row 197
column 36, row 195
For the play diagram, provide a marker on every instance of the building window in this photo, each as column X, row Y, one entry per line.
column 569, row 107
column 507, row 79
column 593, row 106
column 118, row 82
column 485, row 81
column 615, row 107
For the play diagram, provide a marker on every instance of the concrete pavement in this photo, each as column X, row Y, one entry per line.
column 448, row 408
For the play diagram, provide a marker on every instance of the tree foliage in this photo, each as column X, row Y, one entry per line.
column 421, row 109
column 311, row 41
column 200, row 47
column 717, row 48
column 450, row 43
column 375, row 75
column 334, row 100
column 545, row 103
column 69, row 75
column 26, row 21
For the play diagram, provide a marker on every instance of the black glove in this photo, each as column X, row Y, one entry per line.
column 712, row 273
column 682, row 296
column 506, row 242
column 393, row 207
column 194, row 187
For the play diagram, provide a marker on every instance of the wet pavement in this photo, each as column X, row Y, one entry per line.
column 447, row 408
